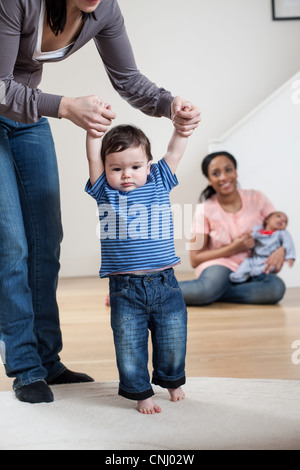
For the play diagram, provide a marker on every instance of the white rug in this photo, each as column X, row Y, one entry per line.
column 217, row 414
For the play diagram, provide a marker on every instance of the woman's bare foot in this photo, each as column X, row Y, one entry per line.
column 148, row 407
column 176, row 394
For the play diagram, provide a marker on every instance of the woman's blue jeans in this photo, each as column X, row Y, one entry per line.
column 214, row 285
column 148, row 302
column 30, row 238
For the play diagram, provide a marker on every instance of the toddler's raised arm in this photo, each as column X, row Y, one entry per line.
column 93, row 151
column 176, row 148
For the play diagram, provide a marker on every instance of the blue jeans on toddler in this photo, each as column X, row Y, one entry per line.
column 30, row 237
column 140, row 303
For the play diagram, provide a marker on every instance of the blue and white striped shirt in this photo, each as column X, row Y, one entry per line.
column 136, row 227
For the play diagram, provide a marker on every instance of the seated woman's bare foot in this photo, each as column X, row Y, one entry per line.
column 148, row 407
column 176, row 394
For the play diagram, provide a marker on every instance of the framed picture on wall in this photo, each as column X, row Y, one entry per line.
column 286, row 9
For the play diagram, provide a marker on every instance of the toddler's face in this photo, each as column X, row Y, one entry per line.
column 128, row 169
column 277, row 221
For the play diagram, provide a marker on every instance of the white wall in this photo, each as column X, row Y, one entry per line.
column 226, row 56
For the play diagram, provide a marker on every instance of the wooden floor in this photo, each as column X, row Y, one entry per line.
column 224, row 340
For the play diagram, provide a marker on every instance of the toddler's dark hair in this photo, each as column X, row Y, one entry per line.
column 121, row 138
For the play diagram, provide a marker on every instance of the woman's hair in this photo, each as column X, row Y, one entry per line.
column 209, row 190
column 57, row 15
column 122, row 137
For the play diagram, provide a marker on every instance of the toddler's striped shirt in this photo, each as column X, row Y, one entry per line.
column 136, row 227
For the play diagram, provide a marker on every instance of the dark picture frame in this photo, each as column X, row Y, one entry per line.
column 285, row 10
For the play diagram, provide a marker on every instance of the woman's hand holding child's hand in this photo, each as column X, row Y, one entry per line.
column 89, row 113
column 185, row 116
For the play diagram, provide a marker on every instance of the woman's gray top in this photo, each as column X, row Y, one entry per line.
column 20, row 74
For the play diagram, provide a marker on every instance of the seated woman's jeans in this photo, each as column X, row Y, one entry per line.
column 30, row 237
column 214, row 285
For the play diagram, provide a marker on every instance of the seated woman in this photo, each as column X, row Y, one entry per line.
column 222, row 239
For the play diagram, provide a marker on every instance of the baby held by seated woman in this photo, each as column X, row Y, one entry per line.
column 268, row 238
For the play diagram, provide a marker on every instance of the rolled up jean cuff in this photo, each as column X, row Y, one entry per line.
column 165, row 383
column 136, row 396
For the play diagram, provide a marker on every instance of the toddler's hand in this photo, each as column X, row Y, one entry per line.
column 102, row 106
column 87, row 112
column 185, row 116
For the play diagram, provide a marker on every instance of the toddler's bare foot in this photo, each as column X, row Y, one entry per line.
column 148, row 407
column 176, row 394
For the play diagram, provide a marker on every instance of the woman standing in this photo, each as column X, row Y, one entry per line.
column 222, row 229
column 33, row 32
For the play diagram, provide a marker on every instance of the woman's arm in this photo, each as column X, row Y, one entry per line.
column 239, row 245
column 87, row 112
column 19, row 102
column 25, row 104
column 275, row 261
column 118, row 58
column 116, row 52
column 175, row 151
